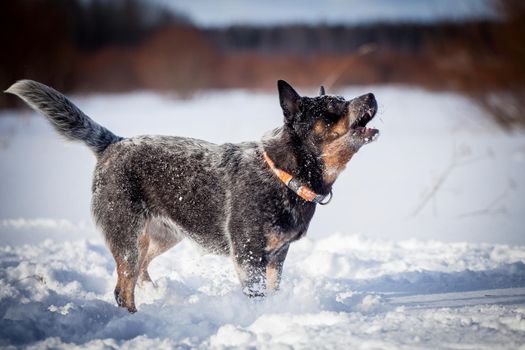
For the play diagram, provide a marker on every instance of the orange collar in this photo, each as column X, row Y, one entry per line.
column 292, row 183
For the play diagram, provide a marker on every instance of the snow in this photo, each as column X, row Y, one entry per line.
column 58, row 293
column 422, row 246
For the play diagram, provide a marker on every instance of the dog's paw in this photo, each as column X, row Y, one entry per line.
column 122, row 303
column 253, row 293
column 118, row 298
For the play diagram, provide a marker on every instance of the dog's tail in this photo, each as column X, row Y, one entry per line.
column 65, row 117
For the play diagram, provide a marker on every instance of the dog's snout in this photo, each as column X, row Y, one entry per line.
column 369, row 100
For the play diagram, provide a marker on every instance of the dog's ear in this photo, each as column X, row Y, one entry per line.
column 322, row 92
column 289, row 99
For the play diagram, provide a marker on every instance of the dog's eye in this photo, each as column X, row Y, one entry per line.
column 331, row 117
column 333, row 135
column 336, row 107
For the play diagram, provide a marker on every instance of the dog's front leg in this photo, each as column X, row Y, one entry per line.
column 274, row 268
column 250, row 267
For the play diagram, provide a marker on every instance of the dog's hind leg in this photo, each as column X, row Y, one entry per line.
column 125, row 250
column 158, row 237
column 127, row 274
column 122, row 226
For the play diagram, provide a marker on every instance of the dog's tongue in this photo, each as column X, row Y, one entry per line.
column 369, row 134
column 364, row 129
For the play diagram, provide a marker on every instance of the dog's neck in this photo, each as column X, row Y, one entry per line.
column 289, row 154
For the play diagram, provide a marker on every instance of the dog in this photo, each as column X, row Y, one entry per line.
column 248, row 200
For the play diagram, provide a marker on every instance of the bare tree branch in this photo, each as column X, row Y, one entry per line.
column 440, row 181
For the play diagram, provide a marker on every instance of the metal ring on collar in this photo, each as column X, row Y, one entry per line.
column 329, row 199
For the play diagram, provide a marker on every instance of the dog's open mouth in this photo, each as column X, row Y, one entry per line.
column 359, row 125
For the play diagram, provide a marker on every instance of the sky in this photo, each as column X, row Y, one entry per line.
column 228, row 12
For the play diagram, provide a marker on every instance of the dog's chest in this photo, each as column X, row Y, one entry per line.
column 276, row 240
column 291, row 224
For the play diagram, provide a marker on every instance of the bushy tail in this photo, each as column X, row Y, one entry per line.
column 65, row 117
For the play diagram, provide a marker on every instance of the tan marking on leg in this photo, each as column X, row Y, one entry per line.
column 144, row 243
column 277, row 247
column 273, row 241
column 272, row 276
column 160, row 239
column 126, row 280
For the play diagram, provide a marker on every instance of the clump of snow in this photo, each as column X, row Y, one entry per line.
column 63, row 310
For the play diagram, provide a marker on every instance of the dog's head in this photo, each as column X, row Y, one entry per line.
column 330, row 127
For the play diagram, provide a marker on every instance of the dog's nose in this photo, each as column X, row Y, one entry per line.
column 370, row 100
column 367, row 98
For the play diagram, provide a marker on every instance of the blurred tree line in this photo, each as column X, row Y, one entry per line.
column 122, row 45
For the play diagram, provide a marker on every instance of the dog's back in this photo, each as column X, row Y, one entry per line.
column 182, row 181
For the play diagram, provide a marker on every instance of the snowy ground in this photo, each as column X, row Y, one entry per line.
column 342, row 291
column 383, row 265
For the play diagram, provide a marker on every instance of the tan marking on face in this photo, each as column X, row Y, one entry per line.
column 320, row 127
column 341, row 127
column 335, row 151
column 272, row 276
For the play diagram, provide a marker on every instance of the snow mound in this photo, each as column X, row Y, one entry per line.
column 340, row 291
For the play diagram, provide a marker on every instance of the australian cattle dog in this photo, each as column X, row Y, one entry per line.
column 247, row 200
